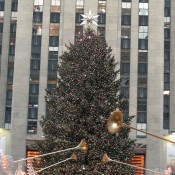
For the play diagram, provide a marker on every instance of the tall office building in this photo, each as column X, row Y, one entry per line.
column 33, row 33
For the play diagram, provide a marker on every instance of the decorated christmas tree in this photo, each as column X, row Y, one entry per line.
column 88, row 90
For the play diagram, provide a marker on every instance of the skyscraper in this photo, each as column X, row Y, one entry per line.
column 141, row 33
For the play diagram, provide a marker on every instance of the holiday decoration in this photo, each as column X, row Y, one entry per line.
column 89, row 19
column 87, row 91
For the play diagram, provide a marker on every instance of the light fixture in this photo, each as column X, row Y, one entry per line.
column 115, row 122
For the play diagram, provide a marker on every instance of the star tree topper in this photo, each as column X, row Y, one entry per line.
column 89, row 18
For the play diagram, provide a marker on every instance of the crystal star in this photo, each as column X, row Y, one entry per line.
column 89, row 19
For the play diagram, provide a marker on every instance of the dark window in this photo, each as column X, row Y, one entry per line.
column 125, row 91
column 78, row 18
column 142, row 56
column 142, row 81
column 13, row 28
column 167, row 3
column 33, row 113
column 8, row 115
column 126, row 0
column 145, row 1
column 166, row 81
column 32, row 127
column 36, row 49
column 143, row 44
column 1, row 6
column 1, row 27
column 53, row 55
column 52, row 65
column 9, row 95
column 36, row 40
column 167, row 45
column 142, row 92
column 143, row 20
column 37, row 17
column 34, row 89
column 35, row 64
column 167, row 55
column 125, row 68
column 166, row 33
column 55, row 17
column 101, row 18
column 165, row 120
column 126, row 20
column 12, row 50
column 141, row 117
column 53, row 41
column 142, row 68
column 125, row 55
column 167, row 11
column 14, row 6
column 125, row 43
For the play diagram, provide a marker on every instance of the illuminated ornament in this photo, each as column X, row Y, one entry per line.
column 89, row 19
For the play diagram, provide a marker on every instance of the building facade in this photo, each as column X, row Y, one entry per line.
column 141, row 33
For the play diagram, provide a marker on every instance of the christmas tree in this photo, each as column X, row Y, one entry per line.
column 88, row 90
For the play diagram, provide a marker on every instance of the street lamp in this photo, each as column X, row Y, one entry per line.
column 115, row 122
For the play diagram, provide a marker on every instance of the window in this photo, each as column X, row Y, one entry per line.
column 37, row 17
column 141, row 117
column 33, row 113
column 54, row 30
column 101, row 18
column 36, row 40
column 142, row 56
column 167, row 33
column 126, row 20
column 145, row 1
column 55, row 2
column 167, row 55
column 142, row 81
column 37, row 29
column 79, row 6
column 101, row 6
column 12, row 50
column 32, row 127
column 142, row 92
column 101, row 32
column 166, row 11
column 13, row 28
column 143, row 44
column 36, row 50
column 53, row 41
column 9, row 94
column 1, row 5
column 38, row 2
column 143, row 5
column 143, row 12
column 167, row 45
column 52, row 65
column 1, row 27
column 34, row 89
column 53, row 55
column 141, row 126
column 35, row 64
column 126, row 5
column 125, row 68
column 125, row 92
column 8, row 115
column 14, row 7
column 143, row 20
column 78, row 18
column 125, row 55
column 55, row 17
column 125, row 43
column 142, row 68
column 126, row 32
